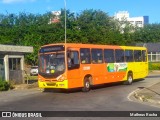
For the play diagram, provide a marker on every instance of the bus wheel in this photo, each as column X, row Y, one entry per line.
column 86, row 86
column 129, row 79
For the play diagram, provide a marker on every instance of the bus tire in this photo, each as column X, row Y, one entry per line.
column 129, row 79
column 86, row 85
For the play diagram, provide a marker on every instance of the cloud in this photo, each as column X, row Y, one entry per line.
column 16, row 1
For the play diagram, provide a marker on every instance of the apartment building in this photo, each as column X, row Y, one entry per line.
column 135, row 21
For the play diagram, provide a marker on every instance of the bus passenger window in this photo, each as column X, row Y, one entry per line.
column 137, row 56
column 97, row 56
column 109, row 55
column 85, row 56
column 119, row 55
column 129, row 55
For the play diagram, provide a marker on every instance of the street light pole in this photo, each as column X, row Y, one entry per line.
column 65, row 22
column 66, row 62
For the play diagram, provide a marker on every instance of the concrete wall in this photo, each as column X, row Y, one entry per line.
column 13, row 48
column 12, row 51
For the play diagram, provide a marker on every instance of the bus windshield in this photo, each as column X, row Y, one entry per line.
column 51, row 65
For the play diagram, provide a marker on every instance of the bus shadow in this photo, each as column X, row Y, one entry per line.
column 76, row 90
column 95, row 87
column 153, row 76
column 138, row 80
column 106, row 85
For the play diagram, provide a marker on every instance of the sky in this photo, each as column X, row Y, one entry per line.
column 136, row 8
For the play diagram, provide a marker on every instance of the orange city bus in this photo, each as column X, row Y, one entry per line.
column 73, row 65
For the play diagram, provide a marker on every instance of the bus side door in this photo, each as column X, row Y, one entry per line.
column 73, row 66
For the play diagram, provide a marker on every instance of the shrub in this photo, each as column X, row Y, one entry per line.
column 4, row 85
column 154, row 66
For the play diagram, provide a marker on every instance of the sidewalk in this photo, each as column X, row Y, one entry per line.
column 19, row 92
column 149, row 94
column 26, row 86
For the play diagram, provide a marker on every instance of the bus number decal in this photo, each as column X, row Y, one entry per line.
column 86, row 68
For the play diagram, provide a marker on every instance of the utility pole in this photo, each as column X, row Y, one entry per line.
column 65, row 22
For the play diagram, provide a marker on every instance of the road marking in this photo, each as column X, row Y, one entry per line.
column 130, row 94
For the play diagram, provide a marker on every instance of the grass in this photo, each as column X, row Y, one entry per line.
column 30, row 79
column 154, row 66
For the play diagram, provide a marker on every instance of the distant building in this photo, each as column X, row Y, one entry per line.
column 135, row 21
column 56, row 17
column 12, row 62
column 153, row 51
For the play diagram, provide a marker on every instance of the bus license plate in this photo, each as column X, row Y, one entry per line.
column 51, row 84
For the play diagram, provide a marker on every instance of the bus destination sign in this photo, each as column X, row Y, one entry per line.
column 55, row 48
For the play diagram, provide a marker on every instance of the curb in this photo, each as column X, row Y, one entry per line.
column 144, row 98
column 152, row 71
column 140, row 97
column 26, row 86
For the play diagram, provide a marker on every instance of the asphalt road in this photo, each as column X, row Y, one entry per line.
column 112, row 97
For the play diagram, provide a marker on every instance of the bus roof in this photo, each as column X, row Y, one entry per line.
column 80, row 45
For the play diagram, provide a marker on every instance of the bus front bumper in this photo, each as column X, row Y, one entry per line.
column 57, row 84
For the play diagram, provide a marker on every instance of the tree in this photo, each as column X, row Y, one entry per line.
column 150, row 33
column 94, row 26
column 90, row 26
